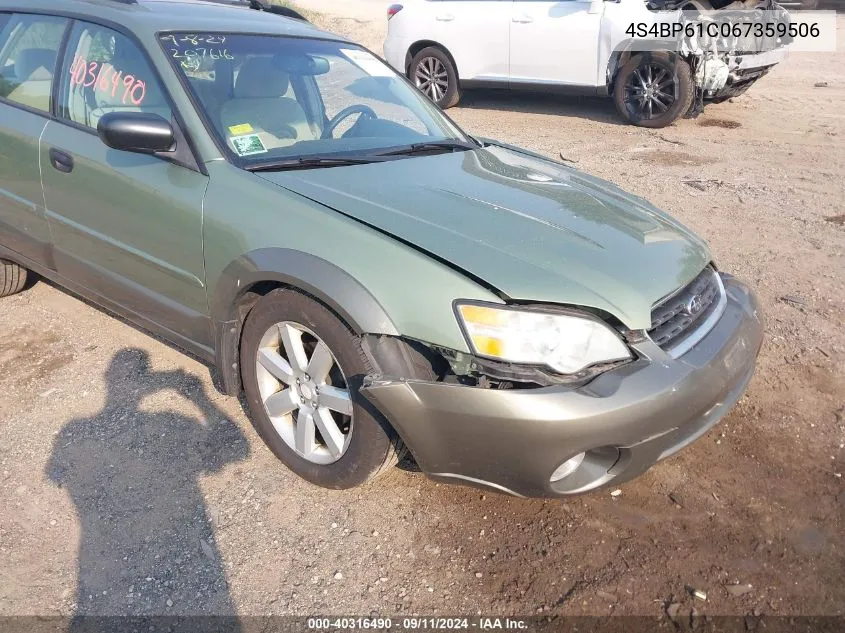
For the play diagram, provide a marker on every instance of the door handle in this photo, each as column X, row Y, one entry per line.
column 523, row 19
column 61, row 161
column 448, row 17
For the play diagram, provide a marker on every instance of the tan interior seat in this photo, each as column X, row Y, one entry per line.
column 260, row 106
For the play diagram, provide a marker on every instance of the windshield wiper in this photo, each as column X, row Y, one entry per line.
column 430, row 146
column 329, row 160
column 310, row 162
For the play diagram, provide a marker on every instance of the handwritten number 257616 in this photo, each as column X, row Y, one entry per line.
column 200, row 53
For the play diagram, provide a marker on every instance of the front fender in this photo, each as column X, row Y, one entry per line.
column 323, row 280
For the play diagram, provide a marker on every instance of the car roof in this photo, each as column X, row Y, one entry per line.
column 147, row 17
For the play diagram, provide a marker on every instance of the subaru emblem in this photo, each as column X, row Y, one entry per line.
column 694, row 305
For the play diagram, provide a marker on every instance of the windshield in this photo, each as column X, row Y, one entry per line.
column 271, row 98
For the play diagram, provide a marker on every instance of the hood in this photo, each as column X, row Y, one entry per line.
column 533, row 229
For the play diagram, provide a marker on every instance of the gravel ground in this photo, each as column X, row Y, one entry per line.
column 129, row 486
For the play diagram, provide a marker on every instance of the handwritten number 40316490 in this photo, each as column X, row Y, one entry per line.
column 104, row 77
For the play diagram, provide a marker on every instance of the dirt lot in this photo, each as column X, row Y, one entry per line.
column 128, row 485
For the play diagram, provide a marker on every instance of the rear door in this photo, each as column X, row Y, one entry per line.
column 126, row 226
column 29, row 46
column 476, row 33
column 555, row 42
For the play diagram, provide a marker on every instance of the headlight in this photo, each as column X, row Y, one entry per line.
column 563, row 342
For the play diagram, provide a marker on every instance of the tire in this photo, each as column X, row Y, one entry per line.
column 12, row 278
column 652, row 65
column 372, row 446
column 434, row 61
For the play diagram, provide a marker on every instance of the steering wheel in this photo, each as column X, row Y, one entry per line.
column 338, row 118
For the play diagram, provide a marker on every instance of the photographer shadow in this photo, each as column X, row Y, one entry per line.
column 147, row 546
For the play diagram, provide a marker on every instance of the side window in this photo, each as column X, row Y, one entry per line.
column 29, row 45
column 105, row 71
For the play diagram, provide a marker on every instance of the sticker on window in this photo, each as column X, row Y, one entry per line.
column 367, row 62
column 248, row 145
column 237, row 130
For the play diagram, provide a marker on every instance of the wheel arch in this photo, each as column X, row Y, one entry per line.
column 624, row 51
column 254, row 274
column 419, row 45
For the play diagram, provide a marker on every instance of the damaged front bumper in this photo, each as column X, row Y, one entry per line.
column 624, row 421
column 729, row 75
column 727, row 65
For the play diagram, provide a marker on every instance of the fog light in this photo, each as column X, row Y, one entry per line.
column 568, row 467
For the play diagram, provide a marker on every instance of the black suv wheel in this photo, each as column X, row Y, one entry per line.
column 653, row 89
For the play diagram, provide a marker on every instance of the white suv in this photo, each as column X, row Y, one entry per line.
column 581, row 47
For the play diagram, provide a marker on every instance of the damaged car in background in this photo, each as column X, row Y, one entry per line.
column 649, row 55
column 694, row 51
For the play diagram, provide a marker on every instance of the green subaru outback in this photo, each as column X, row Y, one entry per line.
column 279, row 202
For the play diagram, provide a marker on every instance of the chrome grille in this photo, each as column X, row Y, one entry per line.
column 683, row 313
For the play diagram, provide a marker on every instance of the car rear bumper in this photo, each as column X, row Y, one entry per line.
column 625, row 420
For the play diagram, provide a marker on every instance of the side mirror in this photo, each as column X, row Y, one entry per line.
column 139, row 132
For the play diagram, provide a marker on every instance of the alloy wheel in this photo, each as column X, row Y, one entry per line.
column 304, row 392
column 650, row 91
column 432, row 78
